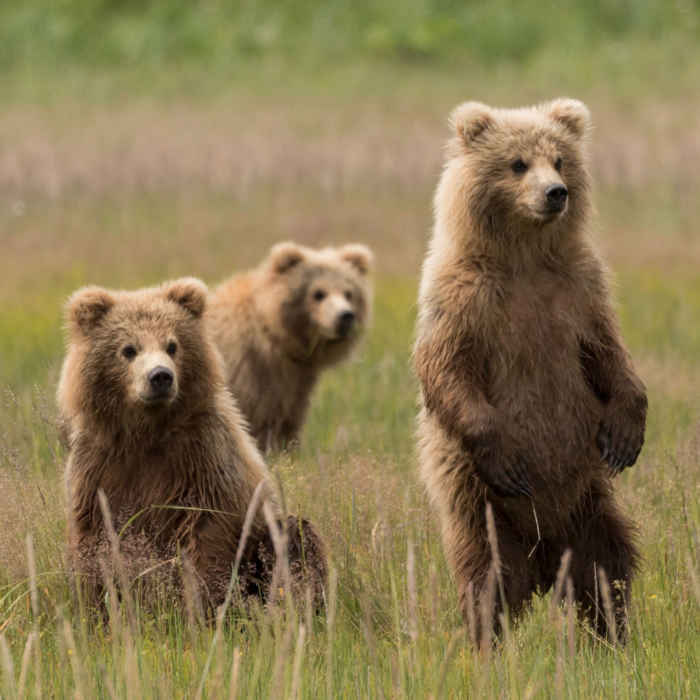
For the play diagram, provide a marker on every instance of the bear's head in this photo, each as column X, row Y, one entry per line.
column 317, row 300
column 139, row 356
column 516, row 168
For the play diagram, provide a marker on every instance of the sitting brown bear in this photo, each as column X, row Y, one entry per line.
column 279, row 326
column 153, row 426
column 530, row 399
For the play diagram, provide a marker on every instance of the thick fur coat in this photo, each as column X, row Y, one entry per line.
column 280, row 325
column 530, row 400
column 153, row 426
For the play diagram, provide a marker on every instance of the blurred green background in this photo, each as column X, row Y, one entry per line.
column 541, row 39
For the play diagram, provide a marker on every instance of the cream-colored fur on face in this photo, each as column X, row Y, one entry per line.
column 189, row 451
column 151, row 358
column 530, row 399
column 279, row 326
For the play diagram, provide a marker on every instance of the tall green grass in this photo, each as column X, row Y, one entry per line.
column 396, row 631
column 391, row 627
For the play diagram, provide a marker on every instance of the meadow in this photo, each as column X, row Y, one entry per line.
column 188, row 143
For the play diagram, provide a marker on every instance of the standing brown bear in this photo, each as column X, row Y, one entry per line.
column 280, row 325
column 530, row 399
column 153, row 425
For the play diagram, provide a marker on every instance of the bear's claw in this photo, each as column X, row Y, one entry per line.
column 619, row 453
column 508, row 480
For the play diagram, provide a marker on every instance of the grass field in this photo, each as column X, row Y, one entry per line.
column 157, row 153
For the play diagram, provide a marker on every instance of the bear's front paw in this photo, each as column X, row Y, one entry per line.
column 620, row 437
column 507, row 477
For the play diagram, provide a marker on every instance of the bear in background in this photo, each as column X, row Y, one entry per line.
column 280, row 325
column 153, row 425
column 530, row 400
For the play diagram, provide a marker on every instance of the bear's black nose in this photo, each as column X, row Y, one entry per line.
column 161, row 379
column 345, row 320
column 556, row 195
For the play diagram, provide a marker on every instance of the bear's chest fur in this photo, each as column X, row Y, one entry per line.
column 168, row 485
column 535, row 377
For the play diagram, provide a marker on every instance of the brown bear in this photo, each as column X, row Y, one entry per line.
column 280, row 325
column 153, row 425
column 530, row 400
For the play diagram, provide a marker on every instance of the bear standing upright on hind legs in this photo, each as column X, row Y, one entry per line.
column 530, row 399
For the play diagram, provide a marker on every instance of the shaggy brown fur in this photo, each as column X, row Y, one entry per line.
column 280, row 325
column 530, row 398
column 149, row 443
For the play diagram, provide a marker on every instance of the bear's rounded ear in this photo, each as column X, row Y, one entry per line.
column 470, row 119
column 574, row 115
column 359, row 256
column 87, row 307
column 285, row 256
column 188, row 292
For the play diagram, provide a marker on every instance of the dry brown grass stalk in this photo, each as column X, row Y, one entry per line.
column 559, row 583
column 38, row 686
column 493, row 542
column 298, row 662
column 559, row 668
column 218, row 633
column 368, row 631
column 34, row 598
column 133, row 683
column 194, row 611
column 264, row 621
column 330, row 627
column 26, row 660
column 125, row 588
column 217, row 684
column 113, row 599
column 471, row 616
column 248, row 524
column 309, row 613
column 235, row 671
column 571, row 619
column 412, row 592
column 487, row 605
column 33, row 586
column 693, row 577
column 606, row 594
column 445, row 665
column 280, row 571
column 434, row 599
column 281, row 659
column 8, row 669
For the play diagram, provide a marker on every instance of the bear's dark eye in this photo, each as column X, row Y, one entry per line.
column 518, row 166
column 129, row 352
column 171, row 349
column 557, row 164
column 348, row 296
column 319, row 295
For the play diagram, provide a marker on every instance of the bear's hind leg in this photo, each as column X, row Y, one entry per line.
column 604, row 541
column 470, row 557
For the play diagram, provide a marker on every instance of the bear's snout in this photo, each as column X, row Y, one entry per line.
column 161, row 379
column 556, row 196
column 346, row 321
